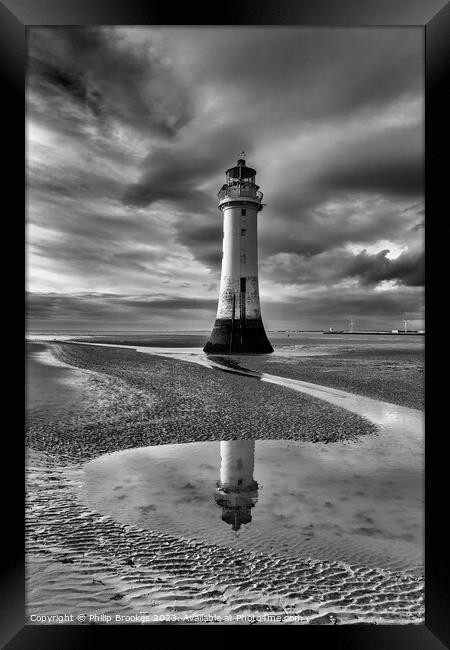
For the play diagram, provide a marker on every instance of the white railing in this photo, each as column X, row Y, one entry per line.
column 237, row 192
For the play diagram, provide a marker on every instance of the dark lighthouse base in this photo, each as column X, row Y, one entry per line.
column 238, row 337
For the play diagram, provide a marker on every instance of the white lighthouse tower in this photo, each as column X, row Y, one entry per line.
column 238, row 327
column 237, row 491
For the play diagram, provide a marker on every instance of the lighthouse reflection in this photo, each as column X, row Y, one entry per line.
column 237, row 491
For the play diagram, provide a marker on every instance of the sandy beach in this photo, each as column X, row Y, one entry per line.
column 105, row 401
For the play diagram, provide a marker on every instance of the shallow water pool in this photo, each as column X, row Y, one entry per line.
column 324, row 501
column 52, row 387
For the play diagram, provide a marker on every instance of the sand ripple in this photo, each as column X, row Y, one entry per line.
column 94, row 564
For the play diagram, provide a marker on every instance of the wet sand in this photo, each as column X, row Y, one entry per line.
column 136, row 400
column 386, row 367
column 52, row 387
column 392, row 375
column 94, row 563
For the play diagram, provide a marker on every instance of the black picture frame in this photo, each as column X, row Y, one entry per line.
column 433, row 16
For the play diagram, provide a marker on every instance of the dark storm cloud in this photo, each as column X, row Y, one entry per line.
column 174, row 172
column 390, row 164
column 93, row 69
column 203, row 240
column 297, row 221
column 408, row 268
column 366, row 181
column 311, row 231
column 67, row 81
column 174, row 175
column 167, row 174
column 327, row 268
column 296, row 85
column 134, row 128
column 387, row 165
column 402, row 177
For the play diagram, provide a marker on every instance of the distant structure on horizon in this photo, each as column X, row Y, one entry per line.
column 238, row 327
column 237, row 491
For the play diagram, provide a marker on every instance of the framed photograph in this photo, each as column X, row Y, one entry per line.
column 225, row 377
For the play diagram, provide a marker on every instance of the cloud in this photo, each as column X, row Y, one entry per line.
column 407, row 269
column 390, row 163
column 307, row 73
column 86, row 311
column 130, row 131
column 79, row 74
column 82, row 309
column 322, row 308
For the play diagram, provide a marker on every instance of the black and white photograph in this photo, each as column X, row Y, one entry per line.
column 225, row 325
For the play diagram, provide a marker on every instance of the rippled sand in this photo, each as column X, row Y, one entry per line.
column 323, row 501
column 85, row 560
column 94, row 565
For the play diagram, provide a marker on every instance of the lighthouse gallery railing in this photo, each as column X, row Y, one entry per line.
column 237, row 191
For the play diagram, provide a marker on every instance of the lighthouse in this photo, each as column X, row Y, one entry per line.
column 238, row 327
column 237, row 491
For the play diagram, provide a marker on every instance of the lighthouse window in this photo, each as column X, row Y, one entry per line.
column 243, row 232
column 243, row 212
column 243, row 282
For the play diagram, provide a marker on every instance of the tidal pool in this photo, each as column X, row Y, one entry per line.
column 359, row 502
column 337, row 501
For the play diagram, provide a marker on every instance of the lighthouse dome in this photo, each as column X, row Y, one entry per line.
column 240, row 172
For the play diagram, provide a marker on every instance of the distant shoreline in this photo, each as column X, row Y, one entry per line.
column 362, row 332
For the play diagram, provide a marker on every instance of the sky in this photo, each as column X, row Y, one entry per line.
column 130, row 131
